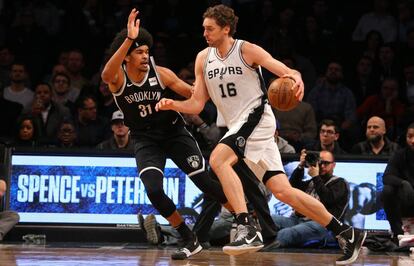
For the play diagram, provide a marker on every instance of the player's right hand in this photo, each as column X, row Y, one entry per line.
column 164, row 104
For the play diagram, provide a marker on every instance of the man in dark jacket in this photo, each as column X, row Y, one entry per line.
column 398, row 179
column 332, row 191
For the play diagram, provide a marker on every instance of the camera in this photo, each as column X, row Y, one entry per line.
column 312, row 158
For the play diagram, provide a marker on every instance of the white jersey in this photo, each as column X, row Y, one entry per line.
column 235, row 87
column 239, row 93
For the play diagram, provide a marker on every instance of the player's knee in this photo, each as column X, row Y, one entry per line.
column 286, row 195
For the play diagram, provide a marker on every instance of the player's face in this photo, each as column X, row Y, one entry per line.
column 213, row 33
column 139, row 58
column 410, row 138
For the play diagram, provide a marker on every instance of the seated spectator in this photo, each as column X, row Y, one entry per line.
column 63, row 92
column 66, row 134
column 384, row 104
column 48, row 112
column 28, row 132
column 8, row 218
column 398, row 191
column 17, row 91
column 120, row 138
column 378, row 18
column 331, row 99
column 297, row 126
column 91, row 127
column 282, row 144
column 332, row 191
column 328, row 138
column 376, row 142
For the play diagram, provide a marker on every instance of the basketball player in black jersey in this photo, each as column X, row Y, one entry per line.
column 137, row 84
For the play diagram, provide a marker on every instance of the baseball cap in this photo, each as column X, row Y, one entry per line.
column 116, row 116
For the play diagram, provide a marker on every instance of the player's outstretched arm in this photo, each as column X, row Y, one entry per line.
column 112, row 72
column 196, row 103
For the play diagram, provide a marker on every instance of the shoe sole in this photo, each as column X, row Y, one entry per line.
column 355, row 254
column 234, row 251
column 150, row 225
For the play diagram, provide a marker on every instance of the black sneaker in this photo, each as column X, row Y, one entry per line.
column 191, row 248
column 152, row 229
column 352, row 243
column 247, row 240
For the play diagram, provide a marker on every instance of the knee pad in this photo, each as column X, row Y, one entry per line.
column 153, row 180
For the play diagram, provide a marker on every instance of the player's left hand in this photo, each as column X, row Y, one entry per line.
column 297, row 77
column 164, row 104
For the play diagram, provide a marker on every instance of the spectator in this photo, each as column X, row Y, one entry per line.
column 332, row 191
column 8, row 219
column 328, row 138
column 120, row 139
column 17, row 91
column 376, row 142
column 6, row 60
column 48, row 112
column 282, row 144
column 377, row 19
column 297, row 126
column 106, row 102
column 91, row 127
column 27, row 131
column 75, row 66
column 398, row 179
column 387, row 65
column 385, row 104
column 331, row 99
column 363, row 83
column 67, row 135
column 63, row 92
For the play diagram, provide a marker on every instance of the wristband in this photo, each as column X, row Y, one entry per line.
column 129, row 38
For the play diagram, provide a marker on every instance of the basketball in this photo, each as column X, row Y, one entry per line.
column 281, row 95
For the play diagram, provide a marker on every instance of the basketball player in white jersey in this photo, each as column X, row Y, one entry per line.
column 229, row 73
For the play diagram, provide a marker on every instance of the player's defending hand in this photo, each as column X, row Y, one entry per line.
column 164, row 104
column 133, row 24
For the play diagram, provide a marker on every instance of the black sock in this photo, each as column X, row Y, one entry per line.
column 337, row 227
column 184, row 231
column 243, row 218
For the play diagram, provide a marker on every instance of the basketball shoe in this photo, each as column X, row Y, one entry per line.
column 191, row 248
column 247, row 239
column 352, row 240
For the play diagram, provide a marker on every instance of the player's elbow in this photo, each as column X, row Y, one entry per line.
column 106, row 77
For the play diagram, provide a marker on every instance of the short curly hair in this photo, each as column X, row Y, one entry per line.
column 144, row 38
column 224, row 16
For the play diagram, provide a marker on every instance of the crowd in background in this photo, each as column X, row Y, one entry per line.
column 356, row 60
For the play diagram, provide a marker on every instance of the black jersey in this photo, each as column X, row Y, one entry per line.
column 137, row 102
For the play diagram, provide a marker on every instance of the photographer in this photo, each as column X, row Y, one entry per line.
column 332, row 191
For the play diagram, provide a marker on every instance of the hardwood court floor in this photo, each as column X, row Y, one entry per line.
column 77, row 254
